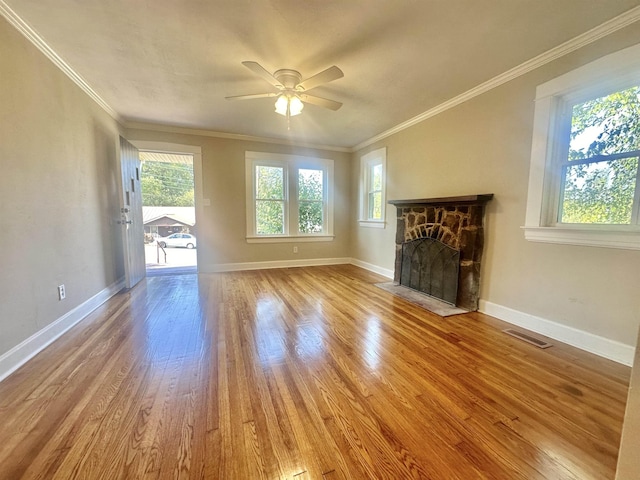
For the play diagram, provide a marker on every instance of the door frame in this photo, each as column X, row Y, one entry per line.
column 182, row 149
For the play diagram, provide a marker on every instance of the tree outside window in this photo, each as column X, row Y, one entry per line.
column 600, row 175
column 375, row 192
column 310, row 201
column 270, row 200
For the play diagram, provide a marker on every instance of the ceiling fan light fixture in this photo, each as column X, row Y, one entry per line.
column 281, row 105
column 295, row 106
column 292, row 89
column 289, row 105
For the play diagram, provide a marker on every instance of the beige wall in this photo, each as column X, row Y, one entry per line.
column 222, row 228
column 58, row 192
column 484, row 146
column 628, row 459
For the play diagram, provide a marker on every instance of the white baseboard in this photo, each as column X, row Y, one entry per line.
column 601, row 346
column 21, row 353
column 311, row 262
column 235, row 267
column 385, row 272
column 604, row 347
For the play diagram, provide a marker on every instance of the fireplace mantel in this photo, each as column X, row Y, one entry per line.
column 460, row 200
column 456, row 222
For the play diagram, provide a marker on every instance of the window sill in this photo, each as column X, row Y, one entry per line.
column 627, row 239
column 372, row 223
column 291, row 239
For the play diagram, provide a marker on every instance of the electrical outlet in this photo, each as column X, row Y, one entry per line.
column 295, row 249
column 61, row 292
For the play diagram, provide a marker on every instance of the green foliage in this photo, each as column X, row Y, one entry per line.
column 615, row 119
column 310, row 201
column 375, row 205
column 269, row 217
column 185, row 200
column 603, row 191
column 269, row 183
column 167, row 184
column 375, row 192
column 269, row 200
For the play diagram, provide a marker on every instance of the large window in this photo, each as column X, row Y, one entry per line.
column 373, row 167
column 584, row 178
column 289, row 198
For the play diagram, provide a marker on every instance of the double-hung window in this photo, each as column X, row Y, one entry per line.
column 373, row 167
column 584, row 182
column 289, row 198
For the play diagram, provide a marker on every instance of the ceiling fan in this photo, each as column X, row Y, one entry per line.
column 292, row 89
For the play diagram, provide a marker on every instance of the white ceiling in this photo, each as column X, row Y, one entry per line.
column 172, row 62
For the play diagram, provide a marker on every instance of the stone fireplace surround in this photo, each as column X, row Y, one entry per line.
column 456, row 222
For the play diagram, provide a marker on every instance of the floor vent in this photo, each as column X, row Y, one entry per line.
column 527, row 338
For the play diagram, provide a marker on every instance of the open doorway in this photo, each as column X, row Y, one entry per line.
column 168, row 210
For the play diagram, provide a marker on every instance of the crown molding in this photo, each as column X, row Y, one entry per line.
column 610, row 26
column 30, row 34
column 621, row 21
column 232, row 136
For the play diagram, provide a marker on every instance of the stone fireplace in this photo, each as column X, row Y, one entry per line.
column 439, row 243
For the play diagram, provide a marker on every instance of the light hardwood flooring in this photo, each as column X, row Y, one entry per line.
column 305, row 373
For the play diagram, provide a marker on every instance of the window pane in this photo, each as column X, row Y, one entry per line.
column 269, row 182
column 269, row 217
column 310, row 217
column 375, row 206
column 310, row 184
column 600, row 192
column 606, row 125
column 376, row 177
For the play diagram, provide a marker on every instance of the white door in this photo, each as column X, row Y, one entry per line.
column 131, row 214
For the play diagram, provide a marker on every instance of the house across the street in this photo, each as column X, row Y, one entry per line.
column 163, row 221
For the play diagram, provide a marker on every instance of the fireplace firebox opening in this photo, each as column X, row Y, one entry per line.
column 431, row 267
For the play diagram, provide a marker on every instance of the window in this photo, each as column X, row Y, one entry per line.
column 600, row 170
column 270, row 199
column 310, row 201
column 289, row 198
column 372, row 187
column 584, row 181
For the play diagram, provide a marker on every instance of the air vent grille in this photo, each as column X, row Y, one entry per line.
column 527, row 338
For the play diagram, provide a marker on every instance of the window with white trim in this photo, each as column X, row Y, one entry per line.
column 289, row 198
column 373, row 169
column 584, row 182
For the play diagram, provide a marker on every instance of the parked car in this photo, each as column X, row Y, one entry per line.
column 178, row 240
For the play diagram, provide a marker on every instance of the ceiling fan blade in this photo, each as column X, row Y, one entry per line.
column 321, row 102
column 259, row 70
column 326, row 76
column 253, row 95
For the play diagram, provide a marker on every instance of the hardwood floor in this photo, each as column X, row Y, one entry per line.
column 306, row 373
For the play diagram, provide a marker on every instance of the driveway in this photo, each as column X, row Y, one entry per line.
column 177, row 260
